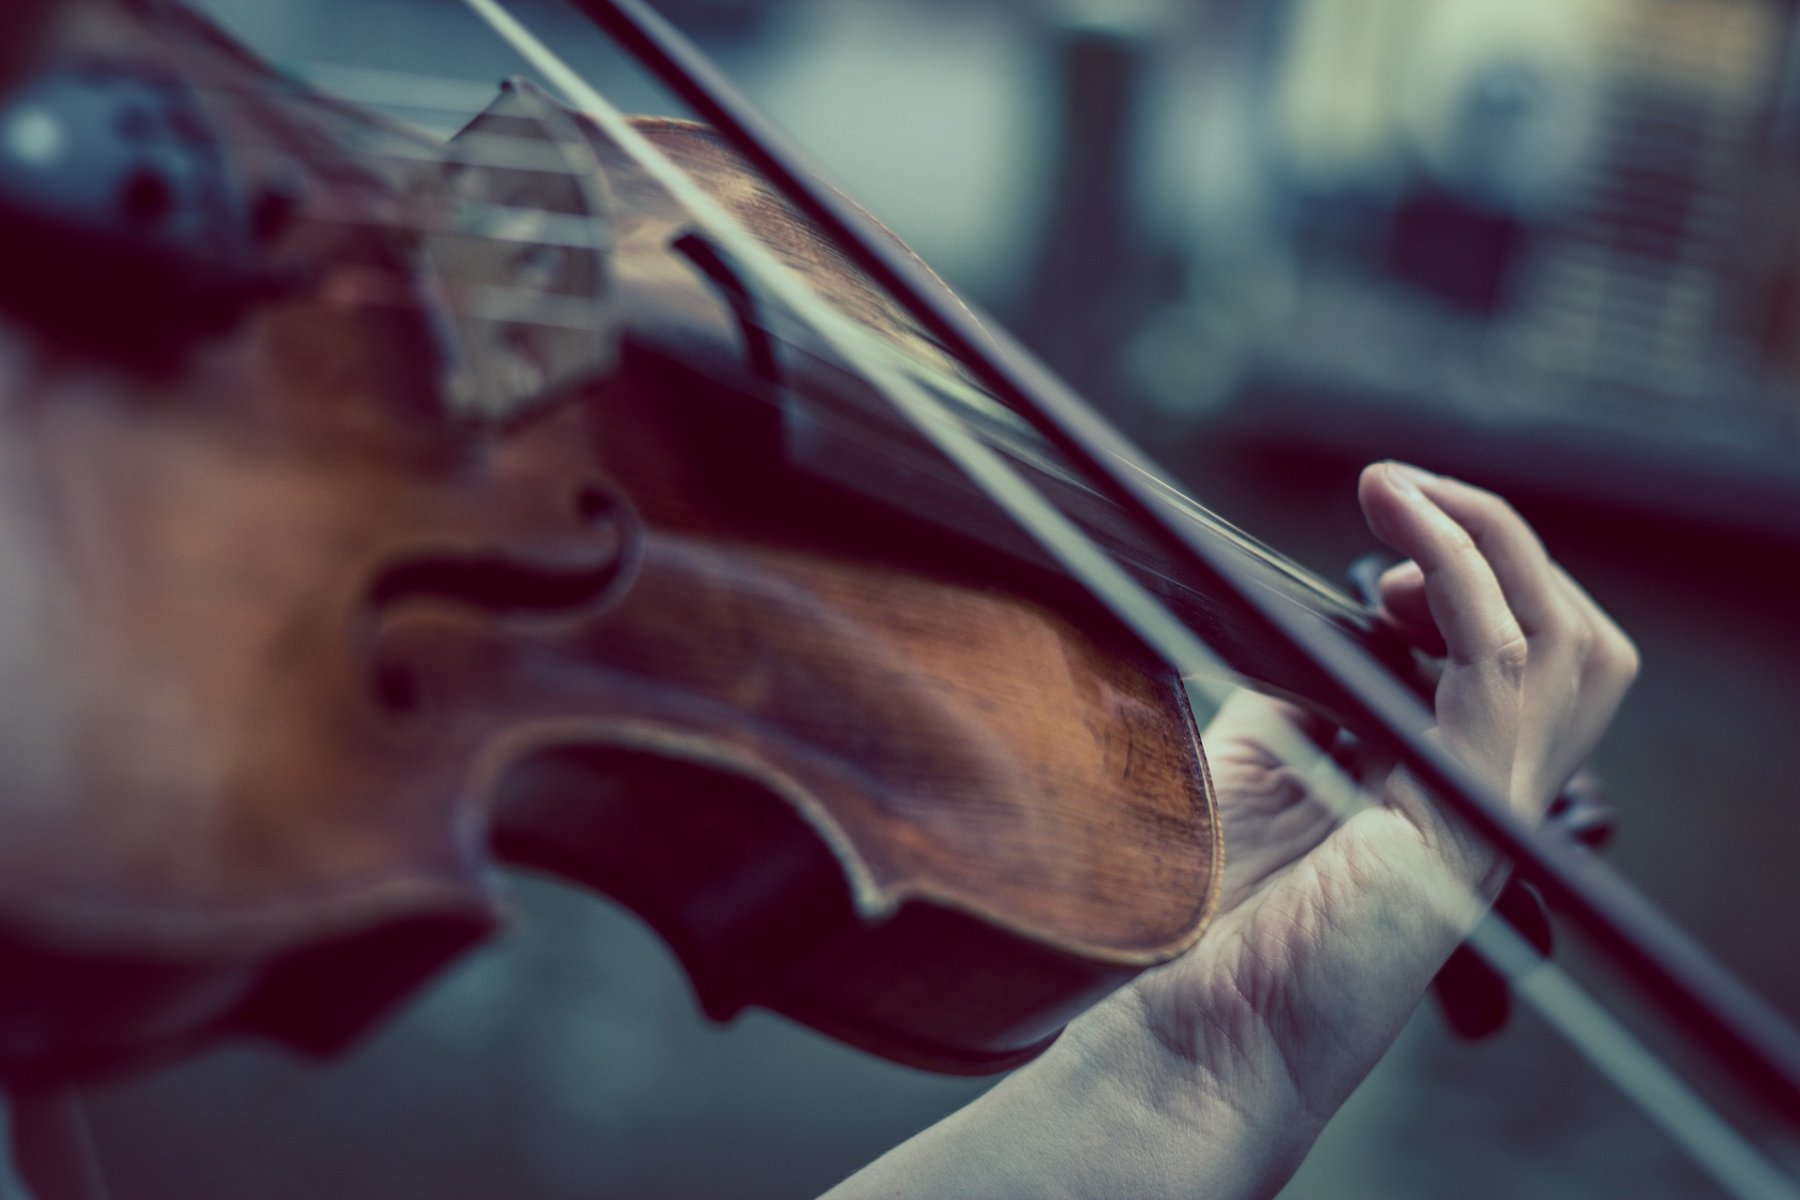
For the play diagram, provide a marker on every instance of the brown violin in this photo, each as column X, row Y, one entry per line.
column 360, row 585
column 384, row 512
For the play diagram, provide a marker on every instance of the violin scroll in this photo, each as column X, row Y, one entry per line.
column 125, row 232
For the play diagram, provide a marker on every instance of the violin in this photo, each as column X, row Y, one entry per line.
column 366, row 591
column 388, row 512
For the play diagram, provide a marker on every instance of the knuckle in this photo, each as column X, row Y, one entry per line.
column 1621, row 654
column 1512, row 656
column 1492, row 511
column 1460, row 549
column 1495, row 507
column 1583, row 639
column 1562, row 622
column 1613, row 664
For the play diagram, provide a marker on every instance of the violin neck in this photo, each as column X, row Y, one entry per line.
column 835, row 427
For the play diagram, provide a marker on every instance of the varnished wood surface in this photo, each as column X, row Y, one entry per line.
column 292, row 644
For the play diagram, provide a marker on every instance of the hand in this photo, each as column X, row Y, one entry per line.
column 1327, row 934
column 1214, row 1073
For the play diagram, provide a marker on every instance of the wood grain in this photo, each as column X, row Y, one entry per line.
column 298, row 654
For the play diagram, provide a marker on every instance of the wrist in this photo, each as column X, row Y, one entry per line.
column 1104, row 1112
column 1211, row 1125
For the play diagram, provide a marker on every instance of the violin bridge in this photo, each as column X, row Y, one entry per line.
column 520, row 272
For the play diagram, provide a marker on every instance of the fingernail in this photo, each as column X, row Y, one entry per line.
column 1402, row 574
column 1406, row 480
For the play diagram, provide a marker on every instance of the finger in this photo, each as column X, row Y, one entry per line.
column 1401, row 593
column 1511, row 547
column 1401, row 590
column 1610, row 661
column 1250, row 714
column 1466, row 601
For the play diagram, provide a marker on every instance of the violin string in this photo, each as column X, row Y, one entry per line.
column 1679, row 1114
column 561, row 310
column 497, row 151
column 504, row 151
column 513, row 304
column 373, row 288
column 1678, row 1110
column 527, row 227
column 1056, row 534
column 1730, row 1160
column 497, row 302
column 383, row 87
column 382, row 291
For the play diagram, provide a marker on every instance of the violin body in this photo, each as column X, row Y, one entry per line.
column 322, row 617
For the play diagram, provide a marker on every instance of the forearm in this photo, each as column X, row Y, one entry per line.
column 1101, row 1114
column 1211, row 1077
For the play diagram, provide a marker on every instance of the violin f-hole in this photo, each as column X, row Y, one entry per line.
column 711, row 262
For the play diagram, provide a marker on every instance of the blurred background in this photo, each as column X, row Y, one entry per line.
column 1548, row 245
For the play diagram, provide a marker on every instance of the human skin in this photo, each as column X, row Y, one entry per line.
column 1214, row 1074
